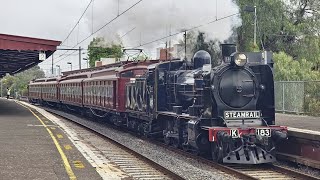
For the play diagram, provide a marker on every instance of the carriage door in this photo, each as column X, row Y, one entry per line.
column 114, row 94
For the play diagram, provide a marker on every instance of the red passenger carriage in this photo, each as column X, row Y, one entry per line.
column 50, row 90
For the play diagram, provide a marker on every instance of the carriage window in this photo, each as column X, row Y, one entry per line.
column 97, row 90
column 111, row 91
column 139, row 72
column 92, row 91
column 127, row 74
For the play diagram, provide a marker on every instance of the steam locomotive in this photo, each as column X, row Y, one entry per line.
column 226, row 111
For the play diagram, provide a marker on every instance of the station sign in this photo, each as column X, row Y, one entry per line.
column 42, row 56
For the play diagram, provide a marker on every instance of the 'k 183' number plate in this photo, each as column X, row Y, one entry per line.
column 264, row 132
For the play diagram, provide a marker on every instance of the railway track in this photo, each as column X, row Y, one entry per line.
column 264, row 172
column 132, row 164
column 254, row 172
column 271, row 172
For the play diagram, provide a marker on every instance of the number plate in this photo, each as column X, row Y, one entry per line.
column 242, row 114
column 234, row 133
column 264, row 132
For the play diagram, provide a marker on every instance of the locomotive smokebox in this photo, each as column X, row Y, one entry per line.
column 227, row 50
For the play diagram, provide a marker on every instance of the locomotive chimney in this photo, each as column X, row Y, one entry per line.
column 227, row 50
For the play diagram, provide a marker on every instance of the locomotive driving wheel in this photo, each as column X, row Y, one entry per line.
column 176, row 143
column 167, row 140
column 216, row 152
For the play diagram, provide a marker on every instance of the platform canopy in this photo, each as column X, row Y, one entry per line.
column 19, row 53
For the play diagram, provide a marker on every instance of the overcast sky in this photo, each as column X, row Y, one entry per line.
column 150, row 19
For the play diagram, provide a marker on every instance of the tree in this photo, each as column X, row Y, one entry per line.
column 191, row 38
column 291, row 26
column 287, row 69
column 19, row 82
column 98, row 48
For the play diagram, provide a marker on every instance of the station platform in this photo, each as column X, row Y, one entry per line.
column 298, row 121
column 32, row 147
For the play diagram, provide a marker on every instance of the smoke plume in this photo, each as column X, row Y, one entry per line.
column 152, row 19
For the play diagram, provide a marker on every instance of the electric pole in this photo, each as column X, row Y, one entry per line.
column 70, row 49
column 52, row 64
column 185, row 45
column 79, row 57
column 255, row 26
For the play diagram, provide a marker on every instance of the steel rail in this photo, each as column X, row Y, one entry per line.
column 239, row 171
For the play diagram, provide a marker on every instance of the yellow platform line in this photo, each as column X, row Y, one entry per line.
column 63, row 156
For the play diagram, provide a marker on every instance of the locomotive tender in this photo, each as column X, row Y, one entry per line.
column 226, row 111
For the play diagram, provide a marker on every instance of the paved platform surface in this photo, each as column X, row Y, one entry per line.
column 29, row 151
column 298, row 121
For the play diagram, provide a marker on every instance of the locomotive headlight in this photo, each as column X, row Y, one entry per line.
column 240, row 59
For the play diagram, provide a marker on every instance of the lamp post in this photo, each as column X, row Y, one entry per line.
column 86, row 59
column 253, row 10
column 70, row 65
column 58, row 66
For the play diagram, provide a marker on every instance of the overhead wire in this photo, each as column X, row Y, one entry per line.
column 102, row 27
column 127, row 33
column 77, row 21
column 192, row 28
column 174, row 34
column 75, row 26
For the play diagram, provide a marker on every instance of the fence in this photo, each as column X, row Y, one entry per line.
column 301, row 97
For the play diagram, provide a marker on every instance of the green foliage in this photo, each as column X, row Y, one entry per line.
column 142, row 57
column 313, row 106
column 288, row 69
column 98, row 48
column 291, row 29
column 191, row 38
column 292, row 26
column 200, row 41
column 19, row 82
column 312, row 97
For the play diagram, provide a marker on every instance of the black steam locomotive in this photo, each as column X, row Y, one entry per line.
column 227, row 110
